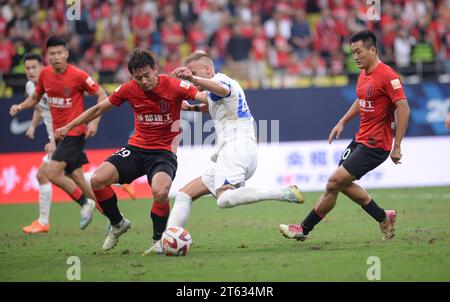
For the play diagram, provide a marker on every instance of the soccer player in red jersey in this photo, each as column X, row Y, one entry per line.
column 380, row 95
column 156, row 101
column 65, row 85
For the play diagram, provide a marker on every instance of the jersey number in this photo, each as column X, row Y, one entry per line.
column 123, row 152
column 243, row 110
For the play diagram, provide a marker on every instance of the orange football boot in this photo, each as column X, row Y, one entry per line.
column 129, row 188
column 36, row 227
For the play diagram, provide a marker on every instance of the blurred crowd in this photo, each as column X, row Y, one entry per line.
column 263, row 43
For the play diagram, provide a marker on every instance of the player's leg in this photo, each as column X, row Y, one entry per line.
column 180, row 212
column 42, row 225
column 161, row 167
column 338, row 180
column 56, row 176
column 229, row 196
column 68, row 157
column 357, row 160
column 182, row 206
column 235, row 164
column 80, row 180
column 385, row 218
column 128, row 188
column 122, row 167
column 88, row 197
column 361, row 161
column 101, row 181
column 160, row 184
column 45, row 194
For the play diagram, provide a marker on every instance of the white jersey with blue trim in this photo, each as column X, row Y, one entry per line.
column 44, row 107
column 231, row 114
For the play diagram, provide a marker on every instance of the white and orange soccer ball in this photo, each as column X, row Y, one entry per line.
column 176, row 241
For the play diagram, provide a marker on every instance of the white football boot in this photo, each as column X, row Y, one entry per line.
column 86, row 213
column 293, row 194
column 114, row 233
column 156, row 248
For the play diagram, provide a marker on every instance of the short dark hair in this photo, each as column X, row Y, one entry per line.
column 55, row 41
column 32, row 56
column 369, row 39
column 139, row 59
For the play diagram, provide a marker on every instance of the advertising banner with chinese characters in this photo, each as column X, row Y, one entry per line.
column 425, row 162
column 308, row 164
column 18, row 183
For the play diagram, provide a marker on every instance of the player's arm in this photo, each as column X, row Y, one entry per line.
column 349, row 115
column 211, row 85
column 29, row 102
column 87, row 116
column 93, row 125
column 400, row 129
column 37, row 117
column 207, row 84
column 198, row 108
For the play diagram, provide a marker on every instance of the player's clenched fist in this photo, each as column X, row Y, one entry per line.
column 60, row 133
column 183, row 73
column 15, row 109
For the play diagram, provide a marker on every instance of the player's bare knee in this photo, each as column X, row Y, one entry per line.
column 161, row 194
column 53, row 176
column 98, row 182
column 333, row 185
column 41, row 177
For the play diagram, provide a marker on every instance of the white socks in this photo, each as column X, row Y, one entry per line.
column 230, row 198
column 247, row 195
column 45, row 202
column 180, row 212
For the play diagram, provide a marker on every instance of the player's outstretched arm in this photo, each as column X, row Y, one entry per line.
column 29, row 102
column 400, row 130
column 211, row 85
column 37, row 117
column 349, row 115
column 87, row 116
column 207, row 84
column 93, row 125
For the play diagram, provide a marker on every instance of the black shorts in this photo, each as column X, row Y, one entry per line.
column 133, row 162
column 71, row 151
column 359, row 159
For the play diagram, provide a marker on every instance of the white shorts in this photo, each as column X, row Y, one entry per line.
column 236, row 162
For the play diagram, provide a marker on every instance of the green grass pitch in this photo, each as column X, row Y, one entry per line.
column 239, row 244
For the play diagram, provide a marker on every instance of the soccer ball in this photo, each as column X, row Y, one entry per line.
column 176, row 241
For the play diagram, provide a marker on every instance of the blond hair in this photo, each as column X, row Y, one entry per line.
column 197, row 56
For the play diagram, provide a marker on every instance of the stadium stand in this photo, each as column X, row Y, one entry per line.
column 264, row 43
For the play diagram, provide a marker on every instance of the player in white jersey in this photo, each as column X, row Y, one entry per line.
column 33, row 66
column 235, row 158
